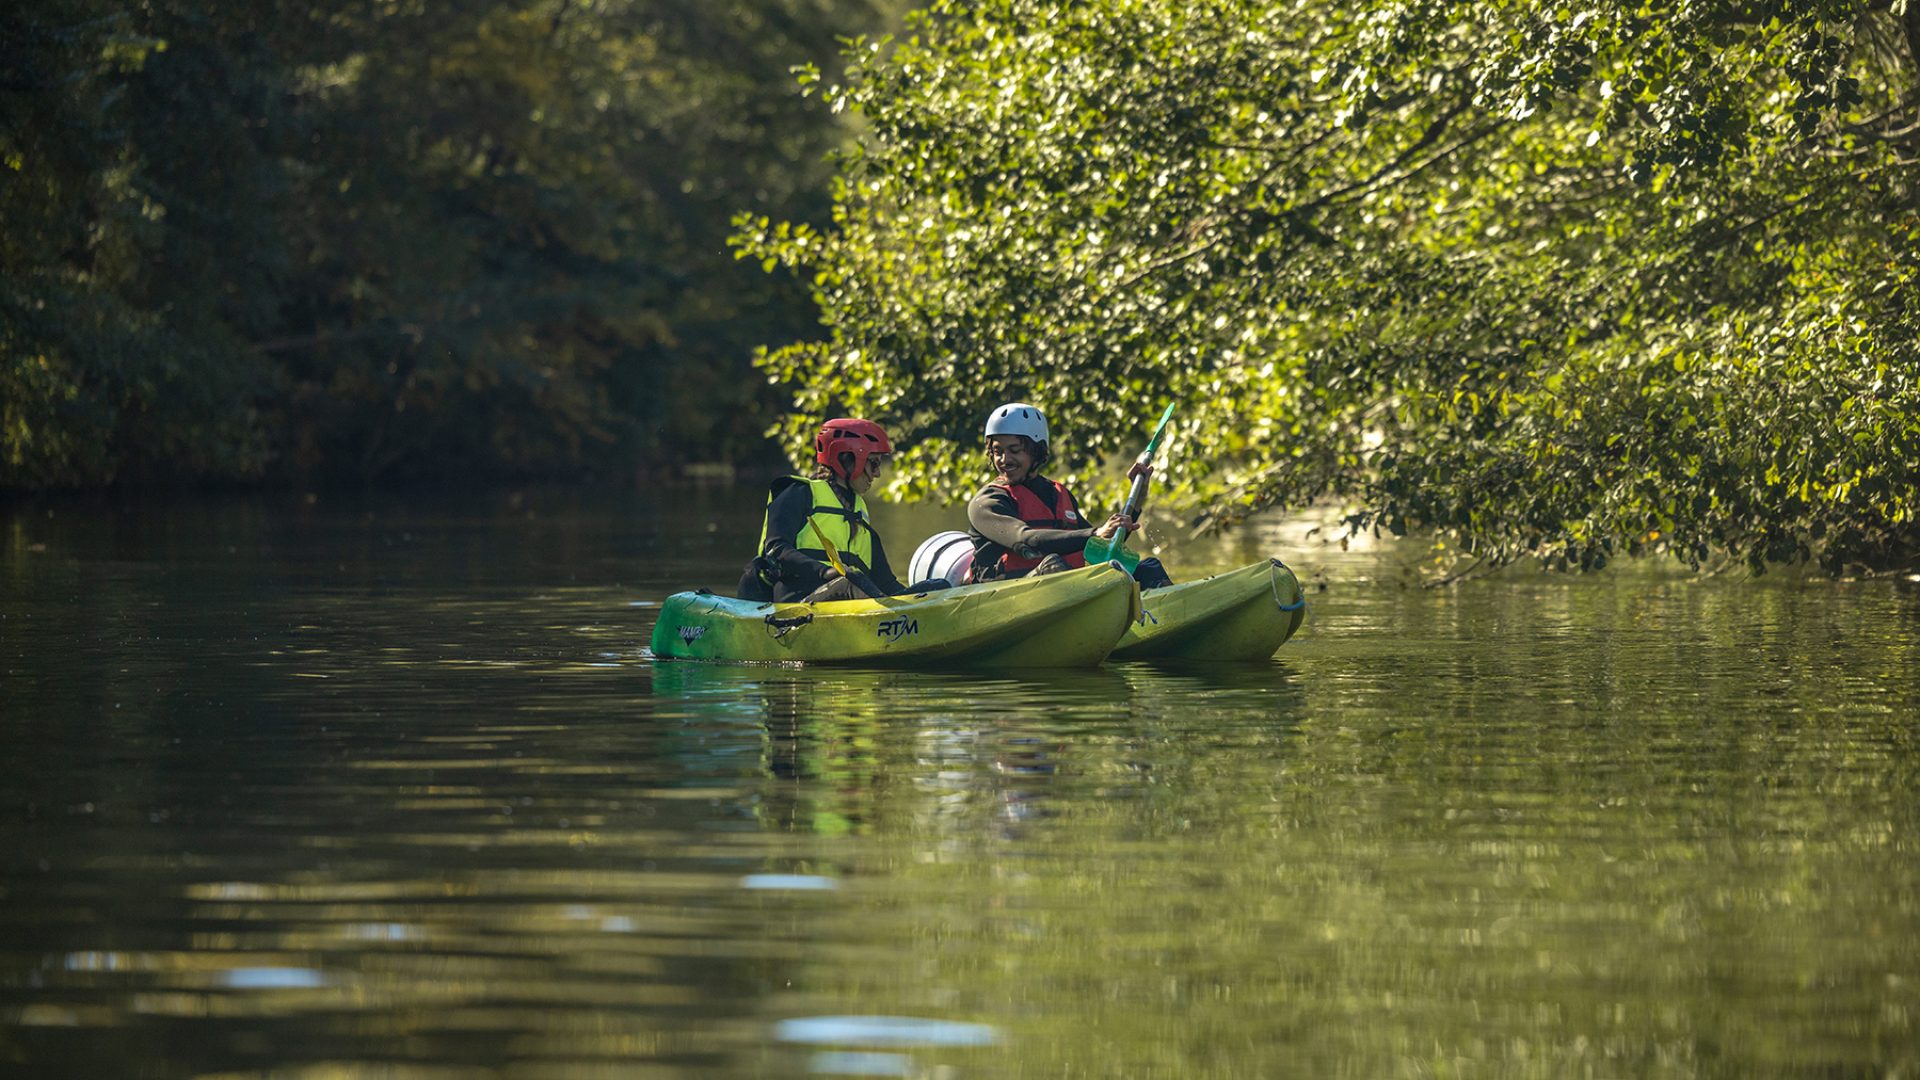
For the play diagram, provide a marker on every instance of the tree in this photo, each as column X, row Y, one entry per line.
column 1571, row 280
column 93, row 352
column 368, row 240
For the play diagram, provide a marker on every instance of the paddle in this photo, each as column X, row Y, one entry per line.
column 827, row 545
column 1100, row 549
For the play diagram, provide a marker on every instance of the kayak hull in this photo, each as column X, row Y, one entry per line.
column 1069, row 619
column 1243, row 614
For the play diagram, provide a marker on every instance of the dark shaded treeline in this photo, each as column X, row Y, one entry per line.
column 391, row 240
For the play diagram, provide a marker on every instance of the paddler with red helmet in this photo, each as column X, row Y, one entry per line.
column 1024, row 523
column 817, row 543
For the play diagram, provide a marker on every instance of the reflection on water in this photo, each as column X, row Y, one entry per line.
column 803, row 882
column 387, row 790
column 883, row 1031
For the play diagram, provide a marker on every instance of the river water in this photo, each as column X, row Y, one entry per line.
column 379, row 786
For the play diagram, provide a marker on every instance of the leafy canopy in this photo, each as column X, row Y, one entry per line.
column 1571, row 279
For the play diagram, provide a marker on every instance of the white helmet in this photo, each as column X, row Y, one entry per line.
column 943, row 555
column 1018, row 418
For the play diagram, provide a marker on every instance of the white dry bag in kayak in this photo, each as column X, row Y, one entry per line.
column 943, row 555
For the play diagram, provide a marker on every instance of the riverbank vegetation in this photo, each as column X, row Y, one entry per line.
column 1568, row 280
column 384, row 239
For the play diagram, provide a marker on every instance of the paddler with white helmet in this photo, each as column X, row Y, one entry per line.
column 1024, row 523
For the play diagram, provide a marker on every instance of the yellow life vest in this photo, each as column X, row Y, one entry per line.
column 849, row 531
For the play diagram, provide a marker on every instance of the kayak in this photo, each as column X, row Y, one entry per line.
column 1070, row 619
column 1243, row 614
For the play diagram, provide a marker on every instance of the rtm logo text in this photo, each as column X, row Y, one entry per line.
column 895, row 629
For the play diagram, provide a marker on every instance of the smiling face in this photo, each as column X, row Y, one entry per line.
column 1011, row 456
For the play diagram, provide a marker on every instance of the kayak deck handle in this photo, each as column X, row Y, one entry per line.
column 778, row 627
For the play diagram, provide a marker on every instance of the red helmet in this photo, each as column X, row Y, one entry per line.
column 861, row 438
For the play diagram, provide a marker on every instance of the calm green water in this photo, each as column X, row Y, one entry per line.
column 388, row 788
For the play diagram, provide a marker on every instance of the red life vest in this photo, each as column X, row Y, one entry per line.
column 1033, row 510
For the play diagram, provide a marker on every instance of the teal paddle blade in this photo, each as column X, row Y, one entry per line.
column 1099, row 549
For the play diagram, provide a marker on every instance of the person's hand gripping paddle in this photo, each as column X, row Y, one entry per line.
column 1099, row 549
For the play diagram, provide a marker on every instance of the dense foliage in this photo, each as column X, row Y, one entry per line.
column 382, row 238
column 1570, row 279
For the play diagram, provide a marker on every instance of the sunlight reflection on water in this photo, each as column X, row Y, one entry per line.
column 796, row 882
column 883, row 1031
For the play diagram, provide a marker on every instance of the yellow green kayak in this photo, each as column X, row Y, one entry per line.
column 1243, row 614
column 1069, row 619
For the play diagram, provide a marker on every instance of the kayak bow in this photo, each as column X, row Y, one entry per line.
column 1243, row 614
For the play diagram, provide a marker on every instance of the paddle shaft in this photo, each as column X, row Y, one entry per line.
column 1137, row 493
column 827, row 545
column 1136, row 502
